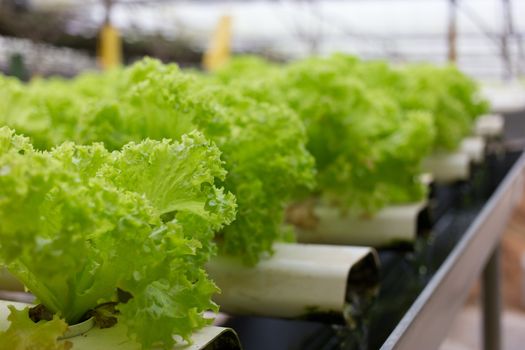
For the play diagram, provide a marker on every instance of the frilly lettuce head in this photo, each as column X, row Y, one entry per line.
column 367, row 149
column 78, row 224
column 262, row 144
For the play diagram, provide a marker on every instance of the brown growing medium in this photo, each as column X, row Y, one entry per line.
column 302, row 215
column 513, row 247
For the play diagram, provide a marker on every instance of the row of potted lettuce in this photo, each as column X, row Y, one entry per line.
column 127, row 182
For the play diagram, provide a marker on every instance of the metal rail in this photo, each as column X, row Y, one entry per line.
column 426, row 323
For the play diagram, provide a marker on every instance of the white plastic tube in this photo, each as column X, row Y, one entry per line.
column 505, row 98
column 117, row 339
column 448, row 167
column 393, row 224
column 299, row 280
column 489, row 125
column 474, row 148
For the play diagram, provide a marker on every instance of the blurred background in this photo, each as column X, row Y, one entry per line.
column 485, row 38
column 43, row 37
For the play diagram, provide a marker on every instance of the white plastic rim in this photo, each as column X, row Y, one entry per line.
column 474, row 148
column 448, row 167
column 505, row 98
column 116, row 337
column 426, row 179
column 78, row 329
column 215, row 337
column 489, row 125
column 72, row 331
column 391, row 225
column 297, row 281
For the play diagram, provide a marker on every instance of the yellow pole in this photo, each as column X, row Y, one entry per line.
column 218, row 51
column 110, row 47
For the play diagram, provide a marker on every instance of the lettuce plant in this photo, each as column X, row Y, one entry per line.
column 451, row 97
column 369, row 124
column 81, row 226
column 367, row 149
column 263, row 145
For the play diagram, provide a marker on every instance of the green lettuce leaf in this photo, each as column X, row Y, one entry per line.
column 262, row 145
column 24, row 334
column 77, row 224
column 359, row 134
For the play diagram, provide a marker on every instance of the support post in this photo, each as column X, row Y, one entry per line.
column 452, row 32
column 505, row 40
column 491, row 294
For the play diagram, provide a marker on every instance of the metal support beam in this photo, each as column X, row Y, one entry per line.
column 511, row 32
column 505, row 39
column 491, row 295
column 108, row 6
column 452, row 32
